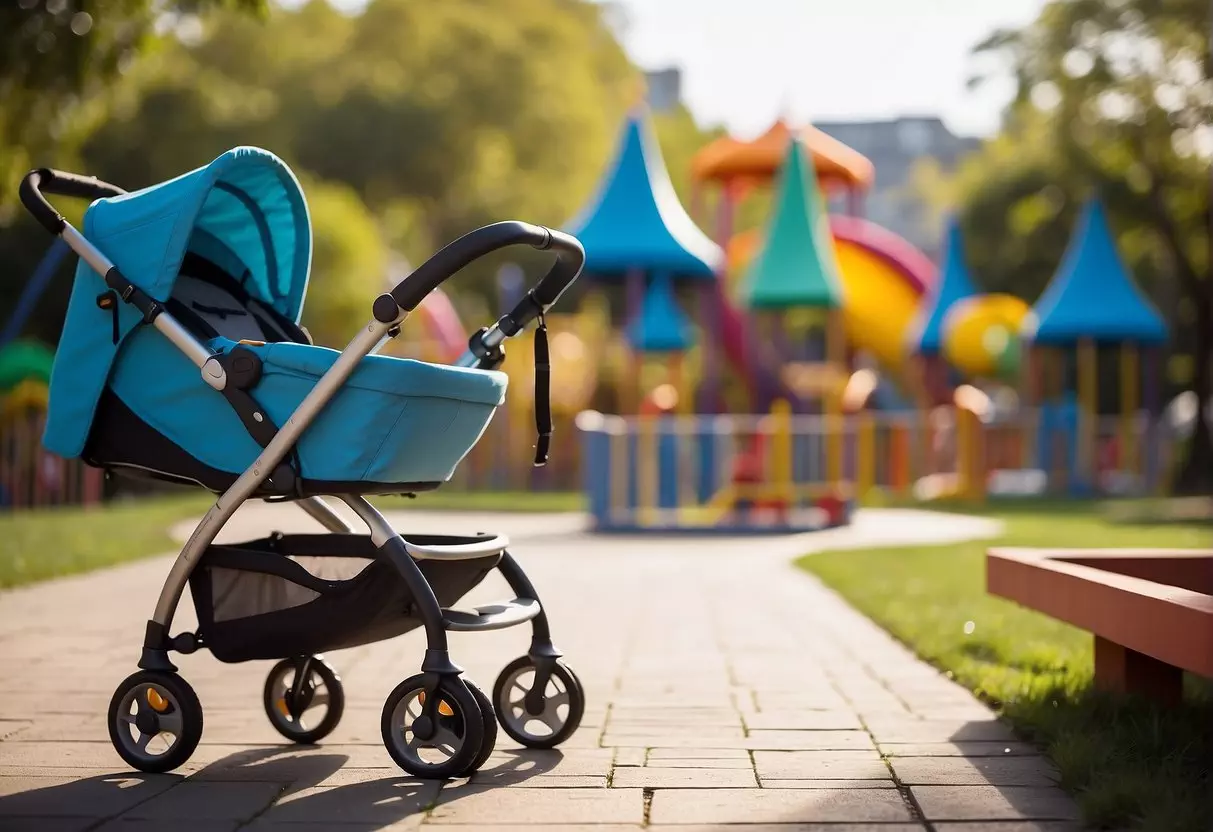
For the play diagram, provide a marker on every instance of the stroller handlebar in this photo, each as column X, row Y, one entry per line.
column 50, row 181
column 570, row 258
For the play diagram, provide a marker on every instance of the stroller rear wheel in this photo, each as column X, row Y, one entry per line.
column 433, row 740
column 489, row 719
column 538, row 721
column 304, row 699
column 155, row 721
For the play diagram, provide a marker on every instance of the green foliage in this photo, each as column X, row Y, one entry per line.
column 56, row 54
column 1132, row 765
column 349, row 263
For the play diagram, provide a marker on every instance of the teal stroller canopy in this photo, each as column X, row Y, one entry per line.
column 245, row 212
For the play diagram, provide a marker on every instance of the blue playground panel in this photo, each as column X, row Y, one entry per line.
column 674, row 450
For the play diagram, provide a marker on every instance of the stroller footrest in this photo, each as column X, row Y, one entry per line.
column 492, row 616
column 441, row 547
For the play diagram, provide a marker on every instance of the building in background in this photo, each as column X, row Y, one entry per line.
column 894, row 147
column 664, row 89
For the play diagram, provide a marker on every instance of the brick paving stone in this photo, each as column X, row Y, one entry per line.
column 409, row 824
column 123, row 825
column 546, row 781
column 803, row 720
column 630, row 756
column 538, row 806
column 808, row 740
column 42, row 824
column 993, row 803
column 705, row 733
column 728, row 806
column 512, row 827
column 826, row 784
column 382, row 802
column 698, row 754
column 208, row 801
column 912, row 730
column 683, row 778
column 93, row 797
column 594, row 762
column 11, row 727
column 956, row 749
column 794, row 827
column 820, row 765
column 701, row 762
column 977, row 771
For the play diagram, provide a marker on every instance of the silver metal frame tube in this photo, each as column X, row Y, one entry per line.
column 88, row 252
column 323, row 513
column 168, row 326
column 326, row 387
column 381, row 530
column 182, row 339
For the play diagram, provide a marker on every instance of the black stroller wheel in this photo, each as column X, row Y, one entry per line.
column 489, row 719
column 445, row 748
column 155, row 721
column 563, row 704
column 304, row 699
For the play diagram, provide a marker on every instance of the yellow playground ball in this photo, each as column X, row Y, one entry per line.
column 981, row 335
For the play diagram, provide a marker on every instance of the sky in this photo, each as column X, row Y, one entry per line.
column 746, row 62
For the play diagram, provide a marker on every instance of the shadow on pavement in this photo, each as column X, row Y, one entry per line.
column 265, row 785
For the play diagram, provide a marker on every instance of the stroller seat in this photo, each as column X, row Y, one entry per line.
column 397, row 425
column 227, row 250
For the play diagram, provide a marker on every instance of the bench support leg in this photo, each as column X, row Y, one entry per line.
column 1121, row 670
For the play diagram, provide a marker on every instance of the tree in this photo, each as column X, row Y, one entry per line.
column 439, row 117
column 1116, row 98
column 349, row 263
column 56, row 54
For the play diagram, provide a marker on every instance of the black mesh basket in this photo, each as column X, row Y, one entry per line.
column 291, row 595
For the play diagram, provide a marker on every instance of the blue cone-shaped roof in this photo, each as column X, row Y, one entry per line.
column 661, row 325
column 954, row 284
column 636, row 220
column 1092, row 295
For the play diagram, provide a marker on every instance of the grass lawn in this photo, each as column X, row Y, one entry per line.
column 48, row 543
column 1130, row 765
column 451, row 500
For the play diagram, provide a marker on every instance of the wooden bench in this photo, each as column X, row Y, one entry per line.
column 1150, row 611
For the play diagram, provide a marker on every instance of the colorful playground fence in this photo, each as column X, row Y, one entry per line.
column 32, row 477
column 804, row 472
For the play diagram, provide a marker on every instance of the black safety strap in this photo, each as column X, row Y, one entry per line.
column 243, row 369
column 543, row 395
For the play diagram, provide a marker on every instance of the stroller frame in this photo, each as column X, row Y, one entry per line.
column 439, row 673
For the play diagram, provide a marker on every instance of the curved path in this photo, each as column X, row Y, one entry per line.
column 727, row 689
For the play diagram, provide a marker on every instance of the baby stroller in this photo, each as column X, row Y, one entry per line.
column 182, row 359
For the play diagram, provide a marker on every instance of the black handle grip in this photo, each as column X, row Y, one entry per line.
column 46, row 180
column 570, row 258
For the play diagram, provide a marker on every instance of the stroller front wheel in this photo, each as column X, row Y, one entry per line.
column 544, row 718
column 436, row 740
column 155, row 721
column 296, row 691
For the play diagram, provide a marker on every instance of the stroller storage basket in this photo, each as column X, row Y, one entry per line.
column 292, row 595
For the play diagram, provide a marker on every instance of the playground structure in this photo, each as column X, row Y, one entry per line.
column 868, row 373
column 31, row 476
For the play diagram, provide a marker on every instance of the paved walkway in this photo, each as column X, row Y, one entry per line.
column 725, row 687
